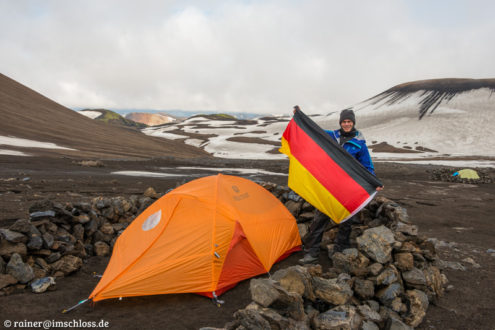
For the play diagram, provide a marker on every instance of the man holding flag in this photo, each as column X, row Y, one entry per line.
column 333, row 171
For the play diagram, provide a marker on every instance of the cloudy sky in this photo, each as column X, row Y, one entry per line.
column 239, row 55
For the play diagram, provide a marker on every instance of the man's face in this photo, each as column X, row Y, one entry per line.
column 347, row 125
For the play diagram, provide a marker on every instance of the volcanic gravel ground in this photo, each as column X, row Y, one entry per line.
column 452, row 212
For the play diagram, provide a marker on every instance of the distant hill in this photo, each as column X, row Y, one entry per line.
column 27, row 114
column 150, row 119
column 216, row 116
column 419, row 119
column 184, row 114
column 111, row 117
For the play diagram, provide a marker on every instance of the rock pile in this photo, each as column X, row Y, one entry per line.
column 386, row 281
column 58, row 237
column 446, row 175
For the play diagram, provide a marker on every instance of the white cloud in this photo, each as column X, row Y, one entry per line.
column 259, row 56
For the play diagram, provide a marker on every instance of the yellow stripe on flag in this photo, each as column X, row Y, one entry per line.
column 306, row 186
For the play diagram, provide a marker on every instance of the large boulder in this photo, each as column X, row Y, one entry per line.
column 251, row 319
column 340, row 317
column 269, row 293
column 369, row 314
column 389, row 293
column 13, row 236
column 35, row 243
column 388, row 276
column 332, row 291
column 101, row 249
column 404, row 261
column 351, row 261
column 414, row 278
column 7, row 249
column 364, row 289
column 418, row 304
column 22, row 226
column 275, row 319
column 296, row 279
column 377, row 243
column 20, row 270
column 67, row 264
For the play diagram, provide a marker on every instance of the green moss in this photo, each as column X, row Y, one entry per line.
column 113, row 118
column 217, row 116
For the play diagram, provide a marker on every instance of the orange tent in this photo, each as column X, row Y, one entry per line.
column 203, row 237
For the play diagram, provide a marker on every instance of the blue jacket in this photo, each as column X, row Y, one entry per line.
column 356, row 147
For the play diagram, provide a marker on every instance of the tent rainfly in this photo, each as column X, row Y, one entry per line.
column 467, row 173
column 202, row 237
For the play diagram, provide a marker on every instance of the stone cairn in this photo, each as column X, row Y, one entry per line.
column 446, row 175
column 387, row 280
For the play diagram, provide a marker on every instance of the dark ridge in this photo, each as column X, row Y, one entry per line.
column 434, row 91
column 385, row 147
column 257, row 140
column 215, row 116
column 448, row 85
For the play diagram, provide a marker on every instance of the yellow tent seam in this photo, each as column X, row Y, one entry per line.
column 213, row 232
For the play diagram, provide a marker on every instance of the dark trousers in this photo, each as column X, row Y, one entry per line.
column 317, row 228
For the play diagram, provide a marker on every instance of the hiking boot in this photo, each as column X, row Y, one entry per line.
column 308, row 259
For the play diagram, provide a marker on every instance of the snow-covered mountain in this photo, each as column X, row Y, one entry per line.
column 440, row 118
column 454, row 117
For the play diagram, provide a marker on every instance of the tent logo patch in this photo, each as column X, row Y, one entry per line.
column 152, row 221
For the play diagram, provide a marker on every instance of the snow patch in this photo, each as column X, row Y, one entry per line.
column 25, row 143
column 169, row 136
column 452, row 163
column 194, row 142
column 231, row 170
column 12, row 153
column 90, row 114
column 146, row 174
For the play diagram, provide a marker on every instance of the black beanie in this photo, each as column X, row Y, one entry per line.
column 347, row 114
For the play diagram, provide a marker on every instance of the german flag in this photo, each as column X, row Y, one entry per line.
column 323, row 173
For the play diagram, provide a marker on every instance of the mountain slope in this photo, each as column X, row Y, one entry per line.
column 27, row 114
column 454, row 117
column 433, row 92
column 439, row 118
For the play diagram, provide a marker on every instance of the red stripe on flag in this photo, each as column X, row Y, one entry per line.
column 343, row 187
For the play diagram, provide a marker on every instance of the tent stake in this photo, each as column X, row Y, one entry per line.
column 217, row 301
column 75, row 306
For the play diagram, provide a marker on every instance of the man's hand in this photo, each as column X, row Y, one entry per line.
column 380, row 188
